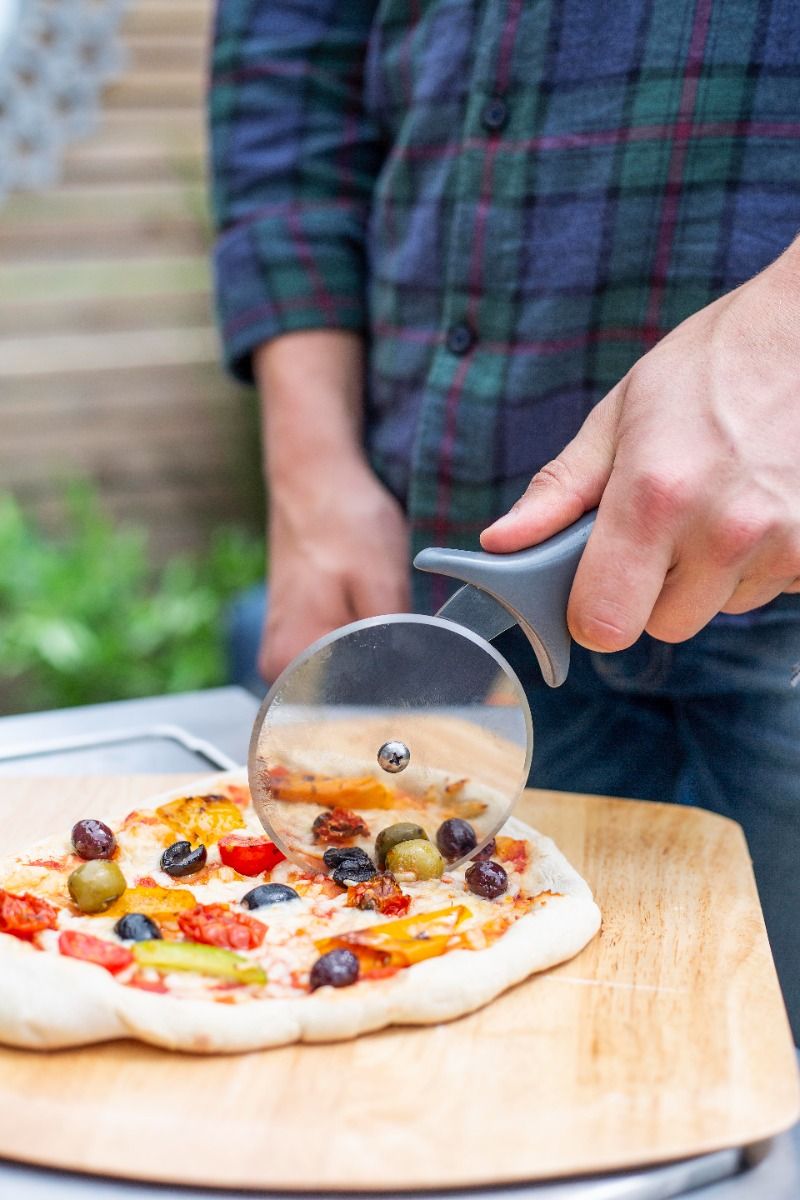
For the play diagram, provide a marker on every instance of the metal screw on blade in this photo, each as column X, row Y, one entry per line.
column 394, row 756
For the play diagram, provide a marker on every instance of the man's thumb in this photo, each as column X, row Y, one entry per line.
column 565, row 488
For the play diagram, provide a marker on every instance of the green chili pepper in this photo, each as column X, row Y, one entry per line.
column 194, row 956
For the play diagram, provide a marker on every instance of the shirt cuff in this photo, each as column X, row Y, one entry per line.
column 292, row 271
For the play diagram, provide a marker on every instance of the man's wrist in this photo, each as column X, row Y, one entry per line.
column 311, row 388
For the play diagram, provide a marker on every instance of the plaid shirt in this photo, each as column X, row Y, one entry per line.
column 513, row 200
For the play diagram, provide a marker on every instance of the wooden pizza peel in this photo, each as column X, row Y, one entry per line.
column 665, row 1038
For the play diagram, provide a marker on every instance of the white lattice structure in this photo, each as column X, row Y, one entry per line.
column 55, row 56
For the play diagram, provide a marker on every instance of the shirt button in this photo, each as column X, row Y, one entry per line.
column 460, row 338
column 494, row 116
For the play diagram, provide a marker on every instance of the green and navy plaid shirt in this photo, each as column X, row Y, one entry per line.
column 512, row 199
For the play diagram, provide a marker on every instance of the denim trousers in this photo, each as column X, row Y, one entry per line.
column 712, row 722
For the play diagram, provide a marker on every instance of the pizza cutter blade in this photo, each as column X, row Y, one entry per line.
column 409, row 718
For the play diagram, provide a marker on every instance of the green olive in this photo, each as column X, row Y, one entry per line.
column 419, row 857
column 95, row 885
column 392, row 835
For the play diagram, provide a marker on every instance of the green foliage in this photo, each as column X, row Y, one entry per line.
column 86, row 618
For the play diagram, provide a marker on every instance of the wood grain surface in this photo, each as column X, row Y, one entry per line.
column 665, row 1038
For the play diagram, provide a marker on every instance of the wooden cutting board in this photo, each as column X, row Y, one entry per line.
column 665, row 1038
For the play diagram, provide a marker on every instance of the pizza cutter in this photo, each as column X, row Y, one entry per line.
column 417, row 719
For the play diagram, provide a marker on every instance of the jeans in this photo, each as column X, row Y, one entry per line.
column 712, row 722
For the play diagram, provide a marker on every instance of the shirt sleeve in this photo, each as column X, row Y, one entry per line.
column 294, row 159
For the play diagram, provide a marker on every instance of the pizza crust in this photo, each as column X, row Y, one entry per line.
column 49, row 1001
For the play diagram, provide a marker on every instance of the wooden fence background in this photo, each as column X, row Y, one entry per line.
column 108, row 355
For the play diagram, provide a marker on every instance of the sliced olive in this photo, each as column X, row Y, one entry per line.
column 95, row 885
column 455, row 838
column 487, row 879
column 337, row 968
column 392, row 835
column 93, row 839
column 353, row 870
column 334, row 856
column 269, row 893
column 417, row 857
column 180, row 859
column 137, row 927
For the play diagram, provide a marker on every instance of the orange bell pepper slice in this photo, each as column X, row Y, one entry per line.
column 363, row 791
column 403, row 942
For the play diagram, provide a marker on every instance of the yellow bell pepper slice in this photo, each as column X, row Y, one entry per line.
column 152, row 902
column 203, row 819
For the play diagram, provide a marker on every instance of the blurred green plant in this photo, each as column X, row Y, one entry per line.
column 86, row 617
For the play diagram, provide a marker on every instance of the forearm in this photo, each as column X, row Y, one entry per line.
column 338, row 544
column 311, row 389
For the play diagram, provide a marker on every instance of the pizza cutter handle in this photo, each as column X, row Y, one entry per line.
column 532, row 585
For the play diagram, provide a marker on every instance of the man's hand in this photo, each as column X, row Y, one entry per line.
column 694, row 460
column 338, row 543
column 338, row 552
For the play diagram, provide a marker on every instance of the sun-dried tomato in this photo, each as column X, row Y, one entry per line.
column 96, row 950
column 339, row 826
column 24, row 915
column 249, row 855
column 216, row 925
column 381, row 894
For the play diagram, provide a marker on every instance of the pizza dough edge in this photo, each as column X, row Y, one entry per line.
column 49, row 1001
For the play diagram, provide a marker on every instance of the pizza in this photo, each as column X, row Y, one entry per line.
column 184, row 925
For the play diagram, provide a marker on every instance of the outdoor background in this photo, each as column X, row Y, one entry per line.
column 130, row 503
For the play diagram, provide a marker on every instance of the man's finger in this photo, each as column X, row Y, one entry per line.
column 624, row 565
column 373, row 593
column 565, row 488
column 690, row 598
column 733, row 564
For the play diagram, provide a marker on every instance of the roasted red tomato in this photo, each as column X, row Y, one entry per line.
column 24, row 915
column 338, row 827
column 216, row 925
column 249, row 855
column 382, row 894
column 95, row 950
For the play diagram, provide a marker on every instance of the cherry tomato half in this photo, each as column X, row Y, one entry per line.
column 249, row 855
column 95, row 950
column 24, row 915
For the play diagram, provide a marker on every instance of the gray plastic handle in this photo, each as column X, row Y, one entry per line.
column 532, row 585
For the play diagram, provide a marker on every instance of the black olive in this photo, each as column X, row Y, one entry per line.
column 455, row 838
column 93, row 839
column 180, row 859
column 353, row 870
column 487, row 852
column 334, row 856
column 136, row 927
column 487, row 879
column 337, row 968
column 268, row 893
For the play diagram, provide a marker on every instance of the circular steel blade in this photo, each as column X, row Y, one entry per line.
column 320, row 738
